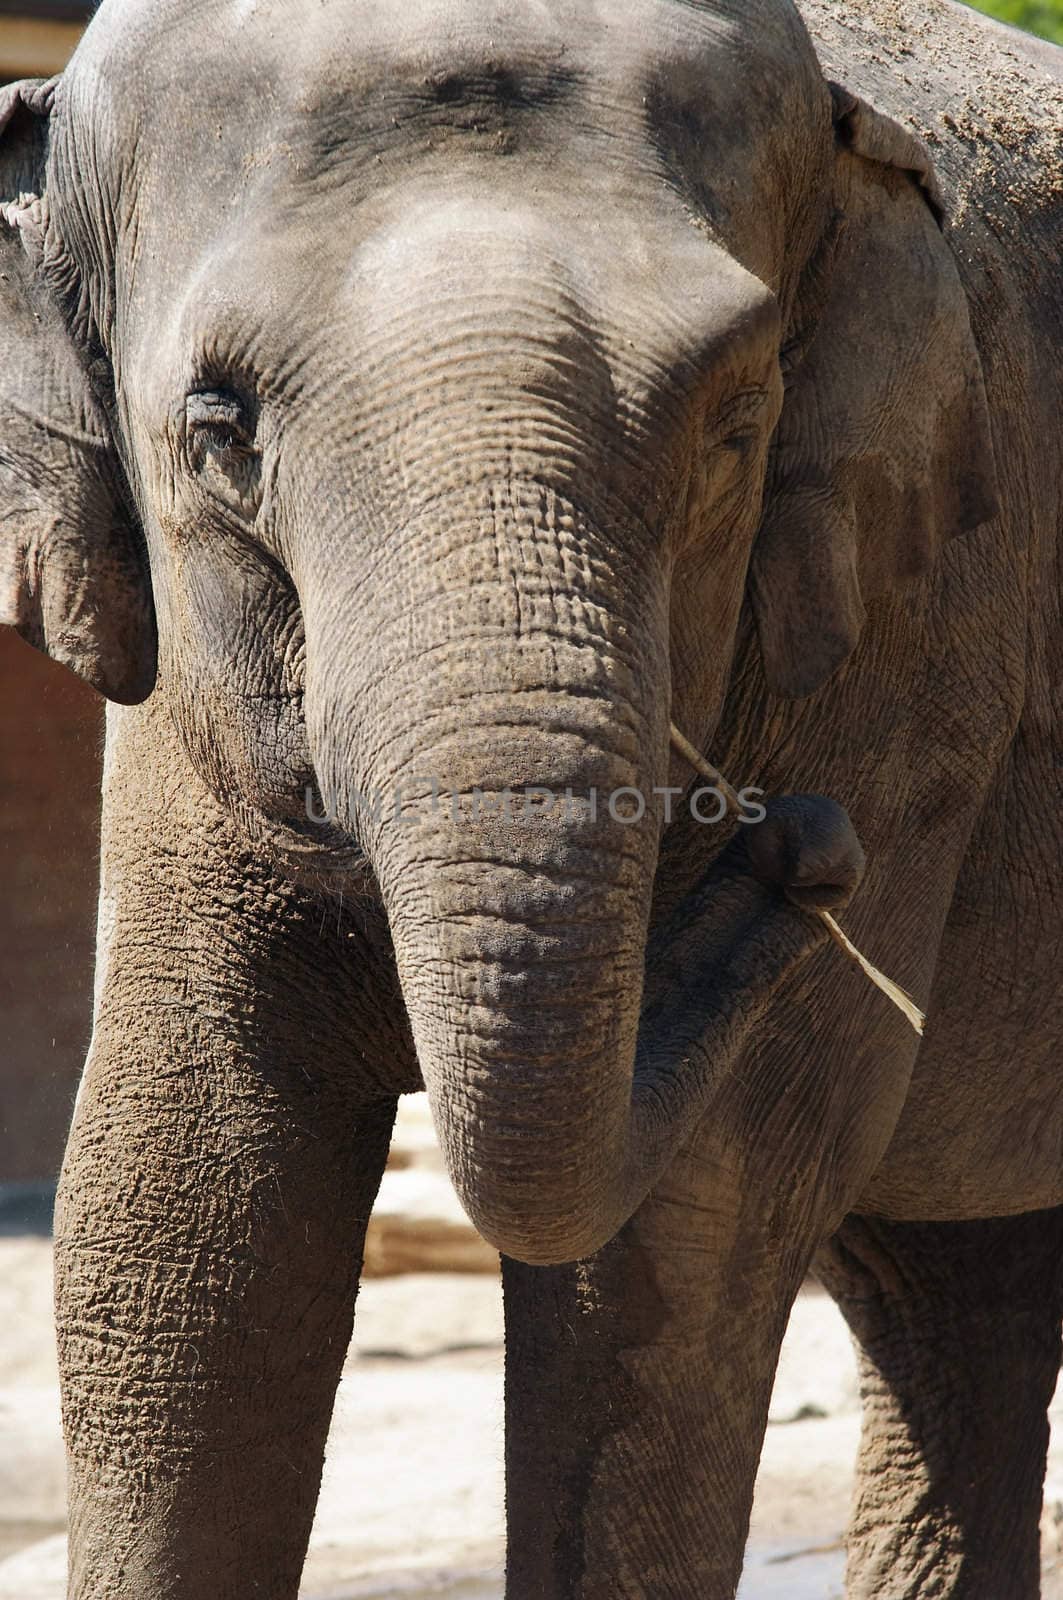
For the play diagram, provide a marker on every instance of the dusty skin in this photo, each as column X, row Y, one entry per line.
column 457, row 394
column 425, row 1368
column 428, row 1367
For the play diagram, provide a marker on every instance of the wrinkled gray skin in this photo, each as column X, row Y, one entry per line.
column 486, row 384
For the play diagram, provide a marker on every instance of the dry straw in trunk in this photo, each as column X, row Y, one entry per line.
column 891, row 990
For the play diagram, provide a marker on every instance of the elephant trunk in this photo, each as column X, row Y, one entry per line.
column 522, row 992
column 490, row 724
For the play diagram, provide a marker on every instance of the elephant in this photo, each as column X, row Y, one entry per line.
column 408, row 415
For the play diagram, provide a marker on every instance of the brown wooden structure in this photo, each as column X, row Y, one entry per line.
column 36, row 38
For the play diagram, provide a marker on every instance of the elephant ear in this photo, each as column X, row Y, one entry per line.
column 883, row 449
column 73, row 577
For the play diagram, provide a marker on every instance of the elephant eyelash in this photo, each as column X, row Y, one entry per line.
column 735, row 442
column 219, row 441
column 221, row 450
column 736, row 428
column 740, row 441
column 217, row 423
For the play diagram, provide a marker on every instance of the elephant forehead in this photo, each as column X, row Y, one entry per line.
column 475, row 31
column 255, row 107
column 326, row 73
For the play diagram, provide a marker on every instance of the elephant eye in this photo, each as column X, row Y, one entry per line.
column 218, row 425
column 738, row 425
column 220, row 441
column 741, row 441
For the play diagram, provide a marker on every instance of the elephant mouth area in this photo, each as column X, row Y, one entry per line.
column 308, row 849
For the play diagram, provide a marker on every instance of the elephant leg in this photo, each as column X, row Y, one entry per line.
column 207, row 1267
column 227, row 1145
column 637, row 1392
column 959, row 1328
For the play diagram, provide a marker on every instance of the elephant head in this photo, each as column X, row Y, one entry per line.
column 436, row 383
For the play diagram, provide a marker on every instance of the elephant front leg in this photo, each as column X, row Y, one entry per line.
column 638, row 1381
column 229, row 1138
column 207, row 1256
column 637, row 1393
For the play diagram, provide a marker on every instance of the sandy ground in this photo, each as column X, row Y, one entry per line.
column 412, row 1500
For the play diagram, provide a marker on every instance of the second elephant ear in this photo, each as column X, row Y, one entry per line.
column 73, row 577
column 883, row 449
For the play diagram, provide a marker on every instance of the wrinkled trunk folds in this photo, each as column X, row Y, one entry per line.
column 480, row 745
